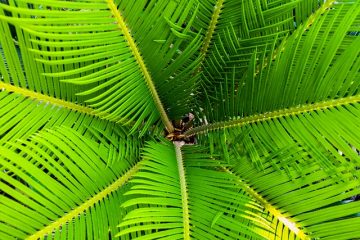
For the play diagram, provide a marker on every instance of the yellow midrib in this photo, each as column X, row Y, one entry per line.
column 212, row 25
column 210, row 32
column 47, row 99
column 318, row 13
column 274, row 115
column 86, row 205
column 136, row 53
column 288, row 222
column 184, row 193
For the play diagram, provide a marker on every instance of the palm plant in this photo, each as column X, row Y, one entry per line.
column 179, row 119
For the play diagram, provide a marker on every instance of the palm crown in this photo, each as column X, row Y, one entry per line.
column 186, row 119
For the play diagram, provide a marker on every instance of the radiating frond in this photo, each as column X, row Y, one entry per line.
column 295, row 140
column 319, row 203
column 283, row 227
column 187, row 198
column 60, row 183
column 302, row 163
column 164, row 31
column 318, row 63
column 105, row 61
column 97, row 53
column 24, row 113
column 244, row 27
column 259, row 98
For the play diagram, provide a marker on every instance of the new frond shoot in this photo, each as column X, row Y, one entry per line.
column 180, row 127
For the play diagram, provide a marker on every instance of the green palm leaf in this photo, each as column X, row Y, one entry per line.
column 23, row 116
column 60, row 182
column 185, row 198
column 297, row 121
column 237, row 29
column 102, row 60
column 174, row 119
column 306, row 167
column 314, row 205
column 299, row 81
column 163, row 30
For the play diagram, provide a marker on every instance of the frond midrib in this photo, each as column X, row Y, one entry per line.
column 86, row 205
column 268, row 116
column 288, row 222
column 184, row 192
column 211, row 28
column 136, row 53
column 210, row 32
column 50, row 100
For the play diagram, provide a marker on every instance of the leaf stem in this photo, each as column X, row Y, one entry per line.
column 273, row 115
column 122, row 26
column 210, row 31
column 47, row 99
column 212, row 25
column 184, row 193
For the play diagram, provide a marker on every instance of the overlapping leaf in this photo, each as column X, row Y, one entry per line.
column 96, row 58
column 318, row 201
column 304, row 165
column 60, row 183
column 164, row 31
column 23, row 116
column 245, row 27
column 317, row 64
column 303, row 156
column 285, row 89
column 214, row 207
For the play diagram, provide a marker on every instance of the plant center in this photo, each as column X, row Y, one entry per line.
column 180, row 127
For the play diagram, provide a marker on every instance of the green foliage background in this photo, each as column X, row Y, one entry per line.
column 91, row 92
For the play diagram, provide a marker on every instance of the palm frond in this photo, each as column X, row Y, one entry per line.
column 185, row 198
column 274, row 152
column 284, row 227
column 101, row 44
column 304, row 164
column 318, row 202
column 327, row 137
column 245, row 27
column 101, row 60
column 59, row 182
column 164, row 31
column 306, row 72
column 24, row 113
